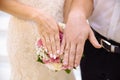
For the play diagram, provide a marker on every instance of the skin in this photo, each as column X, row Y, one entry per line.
column 76, row 32
column 47, row 26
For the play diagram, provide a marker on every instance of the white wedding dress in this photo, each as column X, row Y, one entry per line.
column 22, row 35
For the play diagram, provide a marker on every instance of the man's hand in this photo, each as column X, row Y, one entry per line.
column 76, row 32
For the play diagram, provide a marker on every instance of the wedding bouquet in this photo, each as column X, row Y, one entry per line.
column 54, row 64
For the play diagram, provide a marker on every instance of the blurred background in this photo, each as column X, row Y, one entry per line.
column 4, row 60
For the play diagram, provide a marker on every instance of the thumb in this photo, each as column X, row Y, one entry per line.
column 93, row 40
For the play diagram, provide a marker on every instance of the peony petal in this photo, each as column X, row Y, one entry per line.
column 39, row 43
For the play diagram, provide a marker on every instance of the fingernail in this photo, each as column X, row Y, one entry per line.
column 65, row 63
column 65, row 67
column 58, row 51
column 76, row 65
column 51, row 55
column 61, row 52
column 69, row 67
column 46, row 50
column 54, row 57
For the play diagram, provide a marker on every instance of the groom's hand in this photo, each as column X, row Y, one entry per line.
column 76, row 32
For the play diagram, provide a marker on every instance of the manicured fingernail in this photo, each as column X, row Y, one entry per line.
column 61, row 52
column 51, row 55
column 65, row 67
column 76, row 65
column 58, row 51
column 54, row 57
column 65, row 63
column 46, row 50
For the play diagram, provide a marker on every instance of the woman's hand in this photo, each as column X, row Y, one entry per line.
column 47, row 26
column 49, row 32
column 77, row 31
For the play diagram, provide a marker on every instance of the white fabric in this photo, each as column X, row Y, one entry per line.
column 106, row 18
column 22, row 36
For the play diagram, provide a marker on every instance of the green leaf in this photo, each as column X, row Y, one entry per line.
column 74, row 67
column 39, row 60
column 68, row 71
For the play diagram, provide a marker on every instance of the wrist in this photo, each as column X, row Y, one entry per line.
column 76, row 14
column 35, row 15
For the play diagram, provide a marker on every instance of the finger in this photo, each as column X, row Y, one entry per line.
column 72, row 55
column 66, row 54
column 57, row 41
column 53, row 45
column 44, row 35
column 48, row 45
column 43, row 31
column 43, row 41
column 79, row 53
column 62, row 46
column 93, row 40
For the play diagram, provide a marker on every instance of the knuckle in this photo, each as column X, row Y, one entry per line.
column 77, row 63
column 48, row 45
column 49, row 49
column 78, row 51
column 78, row 55
column 66, row 55
column 65, row 59
column 54, row 30
column 72, row 55
column 72, row 52
column 47, row 41
column 67, row 50
column 57, row 38
column 52, row 42
column 53, row 48
column 57, row 42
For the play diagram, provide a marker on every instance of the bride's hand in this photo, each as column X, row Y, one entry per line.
column 49, row 31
